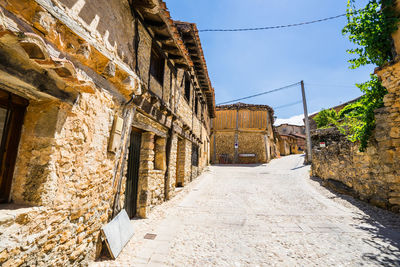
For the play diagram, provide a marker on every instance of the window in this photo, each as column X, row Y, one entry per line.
column 196, row 106
column 187, row 87
column 157, row 64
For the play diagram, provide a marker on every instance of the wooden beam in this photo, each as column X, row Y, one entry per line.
column 162, row 38
column 170, row 49
column 174, row 56
column 153, row 23
column 182, row 66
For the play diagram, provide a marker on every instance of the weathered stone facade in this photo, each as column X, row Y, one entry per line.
column 295, row 131
column 106, row 109
column 243, row 133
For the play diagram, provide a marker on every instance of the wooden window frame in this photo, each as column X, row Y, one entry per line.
column 187, row 88
column 157, row 65
column 10, row 142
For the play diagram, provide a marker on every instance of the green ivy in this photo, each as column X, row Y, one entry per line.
column 370, row 29
column 326, row 118
column 357, row 120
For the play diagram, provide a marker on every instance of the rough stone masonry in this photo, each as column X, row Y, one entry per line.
column 102, row 107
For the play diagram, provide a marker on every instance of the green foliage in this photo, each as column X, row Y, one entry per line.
column 370, row 29
column 326, row 118
column 357, row 120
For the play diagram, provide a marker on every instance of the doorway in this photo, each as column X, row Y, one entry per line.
column 180, row 163
column 132, row 179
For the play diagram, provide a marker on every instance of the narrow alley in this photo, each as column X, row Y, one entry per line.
column 262, row 215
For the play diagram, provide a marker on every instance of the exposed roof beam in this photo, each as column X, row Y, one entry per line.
column 181, row 66
column 153, row 23
column 174, row 57
column 162, row 38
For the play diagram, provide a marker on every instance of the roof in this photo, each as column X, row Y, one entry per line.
column 288, row 135
column 240, row 105
column 298, row 135
column 180, row 40
column 288, row 124
column 191, row 38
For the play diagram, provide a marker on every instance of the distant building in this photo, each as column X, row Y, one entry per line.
column 243, row 133
column 288, row 145
column 296, row 131
column 291, row 129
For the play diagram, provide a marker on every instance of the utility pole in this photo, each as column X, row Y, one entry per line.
column 308, row 136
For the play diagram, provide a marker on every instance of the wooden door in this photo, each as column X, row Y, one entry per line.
column 131, row 191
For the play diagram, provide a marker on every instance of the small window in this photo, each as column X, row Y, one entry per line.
column 196, row 106
column 187, row 87
column 157, row 63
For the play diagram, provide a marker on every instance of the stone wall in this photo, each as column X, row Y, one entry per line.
column 372, row 175
column 65, row 170
column 79, row 66
column 252, row 143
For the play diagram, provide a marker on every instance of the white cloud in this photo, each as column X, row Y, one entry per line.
column 295, row 120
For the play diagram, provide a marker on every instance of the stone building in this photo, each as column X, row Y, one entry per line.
column 104, row 105
column 286, row 128
column 288, row 144
column 243, row 133
column 297, row 131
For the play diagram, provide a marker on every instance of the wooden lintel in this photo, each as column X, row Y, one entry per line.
column 147, row 127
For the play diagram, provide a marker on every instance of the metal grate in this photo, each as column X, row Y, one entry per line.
column 150, row 236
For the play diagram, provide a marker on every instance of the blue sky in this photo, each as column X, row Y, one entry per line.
column 246, row 63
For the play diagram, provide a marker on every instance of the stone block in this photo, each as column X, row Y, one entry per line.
column 394, row 200
column 4, row 256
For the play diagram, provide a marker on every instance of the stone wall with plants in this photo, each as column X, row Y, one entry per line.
column 372, row 175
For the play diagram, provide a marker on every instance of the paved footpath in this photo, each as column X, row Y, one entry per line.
column 265, row 215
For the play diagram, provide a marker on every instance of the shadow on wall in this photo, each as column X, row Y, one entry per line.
column 379, row 223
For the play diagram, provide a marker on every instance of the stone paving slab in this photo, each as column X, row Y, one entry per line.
column 270, row 215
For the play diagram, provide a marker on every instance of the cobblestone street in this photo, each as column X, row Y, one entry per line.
column 264, row 215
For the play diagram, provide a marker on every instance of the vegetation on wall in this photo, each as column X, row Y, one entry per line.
column 370, row 29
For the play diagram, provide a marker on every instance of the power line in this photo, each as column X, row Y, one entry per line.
column 289, row 105
column 331, row 85
column 260, row 94
column 279, row 26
